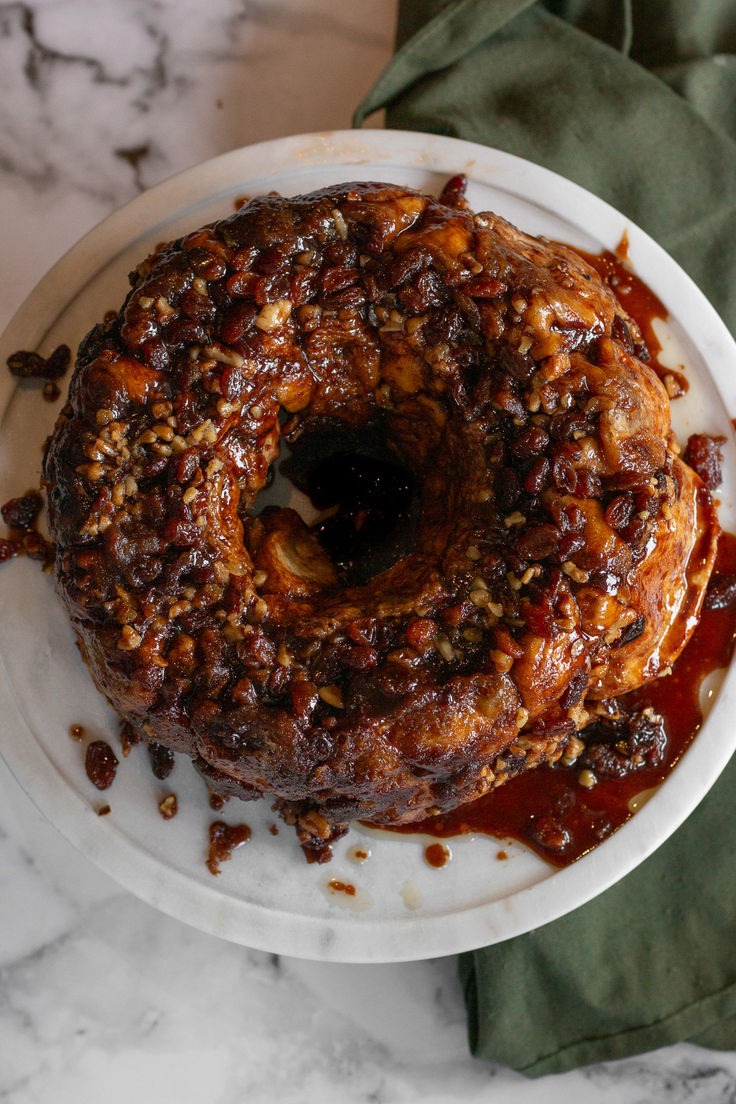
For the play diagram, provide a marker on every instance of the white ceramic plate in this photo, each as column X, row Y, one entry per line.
column 267, row 897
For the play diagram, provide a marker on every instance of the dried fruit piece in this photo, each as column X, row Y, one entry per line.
column 21, row 512
column 162, row 761
column 100, row 764
column 26, row 365
column 703, row 454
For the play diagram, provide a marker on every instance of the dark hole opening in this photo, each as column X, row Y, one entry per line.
column 371, row 494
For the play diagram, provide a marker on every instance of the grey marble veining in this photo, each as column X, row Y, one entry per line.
column 100, row 996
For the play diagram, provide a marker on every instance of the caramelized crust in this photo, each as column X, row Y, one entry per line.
column 562, row 547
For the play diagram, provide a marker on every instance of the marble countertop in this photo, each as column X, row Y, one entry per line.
column 101, row 996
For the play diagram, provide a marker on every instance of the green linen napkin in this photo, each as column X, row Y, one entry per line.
column 637, row 103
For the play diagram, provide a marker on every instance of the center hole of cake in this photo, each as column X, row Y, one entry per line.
column 367, row 498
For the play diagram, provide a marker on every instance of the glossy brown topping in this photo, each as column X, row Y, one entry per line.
column 565, row 810
column 554, row 547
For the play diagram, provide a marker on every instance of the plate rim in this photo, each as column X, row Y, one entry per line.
column 414, row 936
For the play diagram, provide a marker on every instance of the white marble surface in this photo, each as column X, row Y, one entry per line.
column 100, row 996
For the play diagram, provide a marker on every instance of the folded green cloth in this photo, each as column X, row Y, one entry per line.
column 637, row 103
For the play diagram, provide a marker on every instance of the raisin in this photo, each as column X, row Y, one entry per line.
column 620, row 332
column 703, row 454
column 426, row 291
column 197, row 307
column 335, row 279
column 215, row 269
column 26, row 365
column 537, row 478
column 241, row 284
column 632, row 631
column 57, row 363
column 156, row 354
column 182, row 331
column 588, row 484
column 21, row 513
column 421, row 632
column 453, row 193
column 100, row 764
column 484, row 287
column 563, row 474
column 348, row 298
column 444, row 325
column 37, row 547
column 570, row 543
column 362, row 631
column 575, row 690
column 564, row 427
column 540, row 617
column 269, row 289
column 619, row 511
column 549, row 833
column 635, row 531
column 128, row 738
column 617, row 748
column 162, row 760
column 538, row 542
column 518, row 365
column 452, row 616
column 304, row 286
column 530, row 442
column 721, row 592
column 272, row 259
column 187, row 466
column 507, row 488
column 361, row 658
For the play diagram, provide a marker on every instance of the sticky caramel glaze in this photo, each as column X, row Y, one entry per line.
column 551, row 804
column 502, row 373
